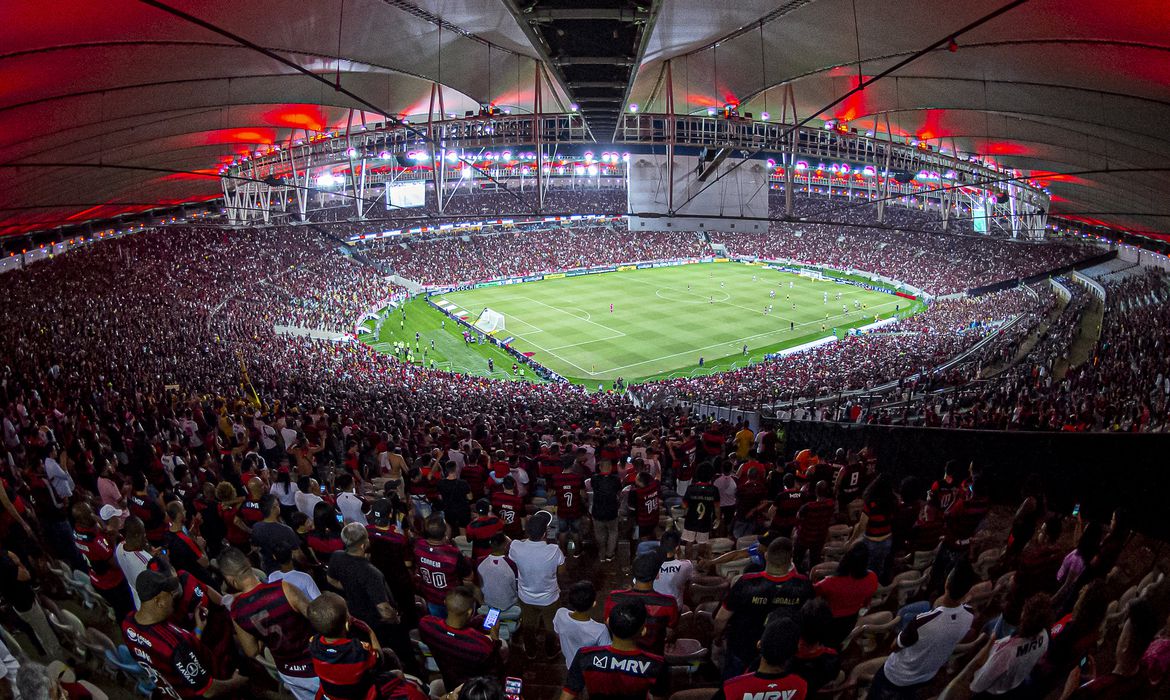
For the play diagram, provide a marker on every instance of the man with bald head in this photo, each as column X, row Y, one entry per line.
column 461, row 650
column 133, row 553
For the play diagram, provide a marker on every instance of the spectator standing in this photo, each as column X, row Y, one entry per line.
column 812, row 527
column 461, row 650
column 815, row 662
column 574, row 625
column 537, row 565
column 755, row 596
column 455, row 499
column 133, row 553
column 620, row 670
column 645, row 503
column 349, row 667
column 392, row 554
column 285, row 571
column 104, row 573
column 365, row 591
column 661, row 609
column 569, row 486
column 509, row 506
column 847, row 592
column 270, row 534
column 926, row 644
column 773, row 679
column 184, row 551
column 16, row 585
column 439, row 565
column 606, row 487
column 273, row 614
column 1011, row 659
column 725, row 483
column 497, row 576
column 876, row 526
column 182, row 664
column 701, row 500
column 349, row 503
column 482, row 528
column 673, row 574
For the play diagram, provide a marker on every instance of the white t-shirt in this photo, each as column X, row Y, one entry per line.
column 575, row 634
column 299, row 579
column 725, row 483
column 1009, row 664
column 290, row 437
column 306, row 502
column 537, row 564
column 499, row 581
column 350, row 506
column 673, row 576
column 938, row 631
column 132, row 564
column 285, row 494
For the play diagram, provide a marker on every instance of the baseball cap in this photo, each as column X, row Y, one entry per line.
column 646, row 566
column 150, row 584
column 381, row 511
column 108, row 511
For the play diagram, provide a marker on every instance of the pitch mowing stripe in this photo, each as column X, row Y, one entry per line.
column 725, row 342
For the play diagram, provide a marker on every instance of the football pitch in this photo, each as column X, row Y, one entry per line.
column 664, row 320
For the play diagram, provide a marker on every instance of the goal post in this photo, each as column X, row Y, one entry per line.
column 489, row 321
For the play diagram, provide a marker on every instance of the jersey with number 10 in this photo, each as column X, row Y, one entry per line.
column 570, row 490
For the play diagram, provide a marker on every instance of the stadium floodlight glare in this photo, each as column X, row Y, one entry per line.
column 710, row 111
column 384, row 155
column 573, row 107
column 633, row 108
column 771, row 163
column 506, row 155
column 593, row 170
column 326, row 180
column 579, row 170
column 625, row 157
column 765, row 116
column 452, row 156
column 351, row 152
column 588, row 156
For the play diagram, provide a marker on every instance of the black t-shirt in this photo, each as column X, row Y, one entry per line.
column 702, row 499
column 456, row 507
column 269, row 537
column 753, row 598
column 363, row 585
column 607, row 489
column 18, row 593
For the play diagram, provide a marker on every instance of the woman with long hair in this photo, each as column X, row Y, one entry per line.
column 875, row 528
column 325, row 539
column 847, row 592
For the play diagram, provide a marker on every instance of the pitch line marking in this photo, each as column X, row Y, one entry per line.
column 586, row 320
column 724, row 342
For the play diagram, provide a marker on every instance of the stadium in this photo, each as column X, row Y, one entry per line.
column 624, row 349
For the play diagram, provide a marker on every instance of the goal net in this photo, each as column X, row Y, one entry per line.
column 490, row 321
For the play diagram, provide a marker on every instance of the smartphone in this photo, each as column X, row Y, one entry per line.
column 1084, row 660
column 492, row 618
column 1076, row 510
column 339, row 518
column 322, row 489
column 513, row 687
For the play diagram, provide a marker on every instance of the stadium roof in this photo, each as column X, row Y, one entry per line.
column 1076, row 91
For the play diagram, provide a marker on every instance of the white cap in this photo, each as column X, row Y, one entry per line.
column 108, row 511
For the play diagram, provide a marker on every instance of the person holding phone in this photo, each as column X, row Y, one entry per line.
column 461, row 649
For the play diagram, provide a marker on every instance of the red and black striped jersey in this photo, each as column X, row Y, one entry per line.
column 176, row 658
column 152, row 515
column 440, row 567
column 614, row 674
column 346, row 667
column 661, row 615
column 460, row 654
column 265, row 613
column 570, row 490
column 813, row 521
column 763, row 686
column 480, row 531
column 510, row 508
column 645, row 504
column 788, row 504
column 104, row 571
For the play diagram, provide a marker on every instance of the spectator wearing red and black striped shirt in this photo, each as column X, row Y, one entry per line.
column 351, row 668
column 812, row 526
column 179, row 660
column 661, row 608
column 481, row 529
column 273, row 614
column 461, row 650
column 622, row 670
column 510, row 507
column 104, row 573
column 876, row 526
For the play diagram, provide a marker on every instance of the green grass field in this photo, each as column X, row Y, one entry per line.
column 665, row 319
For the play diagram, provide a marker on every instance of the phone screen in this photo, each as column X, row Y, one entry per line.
column 340, row 519
column 513, row 687
column 1076, row 510
column 1084, row 660
column 491, row 619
